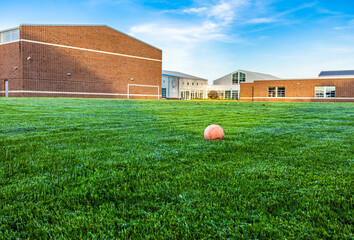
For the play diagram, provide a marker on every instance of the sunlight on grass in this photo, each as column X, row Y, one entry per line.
column 99, row 168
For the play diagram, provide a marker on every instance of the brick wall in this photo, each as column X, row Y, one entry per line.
column 100, row 38
column 246, row 91
column 302, row 90
column 46, row 73
column 10, row 67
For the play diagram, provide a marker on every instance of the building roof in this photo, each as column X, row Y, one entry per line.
column 336, row 73
column 180, row 75
column 260, row 75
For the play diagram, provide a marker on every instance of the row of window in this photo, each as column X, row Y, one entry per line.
column 228, row 94
column 192, row 94
column 276, row 92
column 201, row 84
column 320, row 92
column 185, row 94
column 238, row 77
column 10, row 36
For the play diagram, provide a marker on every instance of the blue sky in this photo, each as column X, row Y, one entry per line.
column 210, row 38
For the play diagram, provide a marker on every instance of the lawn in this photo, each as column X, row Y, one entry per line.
column 140, row 169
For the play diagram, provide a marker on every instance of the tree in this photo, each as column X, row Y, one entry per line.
column 213, row 94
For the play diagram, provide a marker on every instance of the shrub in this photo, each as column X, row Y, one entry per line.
column 213, row 94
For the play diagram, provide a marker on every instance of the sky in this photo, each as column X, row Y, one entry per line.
column 211, row 38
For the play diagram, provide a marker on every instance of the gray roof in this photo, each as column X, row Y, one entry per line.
column 180, row 75
column 260, row 75
column 336, row 73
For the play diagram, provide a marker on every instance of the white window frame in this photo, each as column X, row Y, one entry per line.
column 276, row 92
column 325, row 91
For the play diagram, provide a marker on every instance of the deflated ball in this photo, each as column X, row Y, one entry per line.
column 214, row 132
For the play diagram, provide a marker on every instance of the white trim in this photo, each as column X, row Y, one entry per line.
column 90, row 50
column 80, row 93
column 9, row 42
column 305, row 98
column 141, row 85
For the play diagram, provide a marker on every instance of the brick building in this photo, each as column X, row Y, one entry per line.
column 77, row 61
column 331, row 86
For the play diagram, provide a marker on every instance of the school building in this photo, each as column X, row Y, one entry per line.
column 77, row 61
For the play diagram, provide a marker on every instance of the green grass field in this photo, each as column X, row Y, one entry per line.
column 129, row 169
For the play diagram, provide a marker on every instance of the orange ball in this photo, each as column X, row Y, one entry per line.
column 214, row 132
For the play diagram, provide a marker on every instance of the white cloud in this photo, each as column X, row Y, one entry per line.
column 182, row 41
column 182, row 34
column 224, row 12
column 195, row 10
column 213, row 21
column 262, row 20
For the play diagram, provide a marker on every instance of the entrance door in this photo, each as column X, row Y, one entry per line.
column 6, row 88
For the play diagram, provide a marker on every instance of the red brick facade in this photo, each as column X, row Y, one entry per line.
column 302, row 90
column 80, row 61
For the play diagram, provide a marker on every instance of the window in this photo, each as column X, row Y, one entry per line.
column 242, row 77
column 193, row 83
column 201, row 94
column 163, row 93
column 183, row 83
column 325, row 91
column 238, row 77
column 276, row 92
column 10, row 36
column 235, row 78
column 6, row 88
column 187, row 96
column 272, row 92
column 281, row 92
column 235, row 95
column 221, row 94
column 197, row 84
column 227, row 94
column 188, row 83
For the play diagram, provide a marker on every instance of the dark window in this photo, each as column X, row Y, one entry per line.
column 281, row 92
column 227, row 94
column 234, row 94
column 242, row 77
column 235, row 78
column 276, row 92
column 272, row 92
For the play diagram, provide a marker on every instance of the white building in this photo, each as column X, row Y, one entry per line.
column 228, row 86
column 176, row 85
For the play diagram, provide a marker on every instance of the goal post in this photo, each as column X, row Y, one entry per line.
column 130, row 94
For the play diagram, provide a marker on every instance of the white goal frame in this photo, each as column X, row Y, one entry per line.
column 144, row 95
